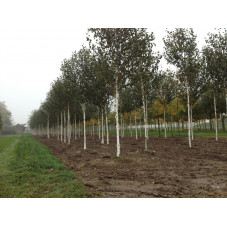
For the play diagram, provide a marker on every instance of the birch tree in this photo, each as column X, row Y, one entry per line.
column 166, row 91
column 181, row 51
column 215, row 57
column 144, row 65
column 115, row 45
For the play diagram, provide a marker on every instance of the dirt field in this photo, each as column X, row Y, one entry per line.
column 168, row 169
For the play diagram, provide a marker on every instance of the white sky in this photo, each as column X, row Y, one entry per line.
column 35, row 36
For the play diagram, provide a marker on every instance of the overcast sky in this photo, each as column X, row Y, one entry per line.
column 35, row 36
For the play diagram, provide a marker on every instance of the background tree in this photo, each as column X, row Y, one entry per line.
column 181, row 51
column 144, row 65
column 166, row 91
column 215, row 58
column 115, row 45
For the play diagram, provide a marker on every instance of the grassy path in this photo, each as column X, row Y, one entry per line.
column 29, row 169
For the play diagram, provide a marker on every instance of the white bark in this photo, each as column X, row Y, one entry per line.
column 216, row 119
column 107, row 128
column 117, row 117
column 102, row 141
column 144, row 112
column 189, row 119
column 85, row 142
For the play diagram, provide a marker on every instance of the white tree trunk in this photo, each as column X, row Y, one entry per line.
column 102, row 141
column 216, row 119
column 136, row 126
column 165, row 121
column 144, row 112
column 99, row 125
column 117, row 117
column 107, row 128
column 84, row 118
column 189, row 117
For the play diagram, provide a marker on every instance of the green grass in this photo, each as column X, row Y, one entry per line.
column 29, row 169
column 182, row 133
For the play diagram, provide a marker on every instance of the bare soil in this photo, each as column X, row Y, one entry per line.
column 169, row 168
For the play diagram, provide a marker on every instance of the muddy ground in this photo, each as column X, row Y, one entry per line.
column 168, row 169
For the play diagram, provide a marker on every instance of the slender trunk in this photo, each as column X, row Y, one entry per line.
column 216, row 119
column 117, row 118
column 136, row 126
column 189, row 121
column 107, row 128
column 102, row 141
column 158, row 127
column 165, row 121
column 84, row 118
column 144, row 112
column 192, row 126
